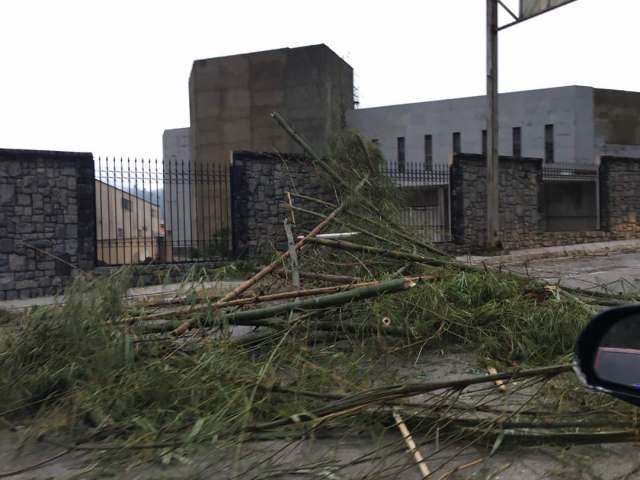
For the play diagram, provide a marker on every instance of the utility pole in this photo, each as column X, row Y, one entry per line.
column 528, row 9
column 493, row 174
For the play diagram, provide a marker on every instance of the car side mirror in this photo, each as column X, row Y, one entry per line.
column 607, row 354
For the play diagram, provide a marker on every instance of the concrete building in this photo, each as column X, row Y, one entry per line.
column 231, row 100
column 129, row 227
column 562, row 125
column 179, row 197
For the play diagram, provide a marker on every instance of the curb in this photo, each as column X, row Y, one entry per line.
column 598, row 249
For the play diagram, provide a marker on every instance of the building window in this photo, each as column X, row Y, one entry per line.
column 484, row 143
column 428, row 152
column 548, row 144
column 120, row 232
column 517, row 141
column 126, row 204
column 401, row 155
column 456, row 142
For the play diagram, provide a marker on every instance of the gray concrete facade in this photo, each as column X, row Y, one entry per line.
column 587, row 123
column 176, row 158
column 231, row 99
column 568, row 109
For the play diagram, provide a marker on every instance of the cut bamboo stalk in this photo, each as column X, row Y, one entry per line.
column 364, row 231
column 262, row 299
column 293, row 255
column 411, row 445
column 500, row 383
column 346, row 245
column 324, row 277
column 248, row 316
column 188, row 324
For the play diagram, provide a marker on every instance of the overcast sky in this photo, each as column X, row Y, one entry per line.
column 110, row 76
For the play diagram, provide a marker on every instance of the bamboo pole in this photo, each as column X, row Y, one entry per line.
column 387, row 394
column 351, row 226
column 188, row 324
column 326, row 277
column 262, row 299
column 371, row 221
column 346, row 245
column 248, row 317
column 411, row 445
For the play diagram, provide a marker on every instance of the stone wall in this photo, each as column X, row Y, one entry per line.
column 47, row 220
column 521, row 219
column 259, row 186
column 620, row 196
column 260, row 183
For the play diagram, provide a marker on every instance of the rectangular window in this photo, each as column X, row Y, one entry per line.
column 428, row 152
column 120, row 232
column 126, row 204
column 484, row 143
column 456, row 142
column 401, row 155
column 548, row 144
column 517, row 141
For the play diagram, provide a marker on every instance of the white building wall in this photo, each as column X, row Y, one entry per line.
column 569, row 109
column 179, row 204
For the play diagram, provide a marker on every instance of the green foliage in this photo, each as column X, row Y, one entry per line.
column 508, row 320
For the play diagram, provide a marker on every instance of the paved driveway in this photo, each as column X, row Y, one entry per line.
column 614, row 272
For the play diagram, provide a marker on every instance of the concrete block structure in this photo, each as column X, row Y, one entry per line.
column 573, row 124
column 179, row 207
column 231, row 99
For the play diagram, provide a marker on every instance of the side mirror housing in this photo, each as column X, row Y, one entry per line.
column 607, row 353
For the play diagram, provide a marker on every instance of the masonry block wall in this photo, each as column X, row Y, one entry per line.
column 620, row 196
column 259, row 186
column 521, row 220
column 47, row 210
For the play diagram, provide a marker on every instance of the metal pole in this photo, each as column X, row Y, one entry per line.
column 493, row 226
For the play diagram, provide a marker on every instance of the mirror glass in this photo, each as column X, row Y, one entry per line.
column 618, row 356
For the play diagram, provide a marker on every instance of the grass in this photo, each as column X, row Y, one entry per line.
column 508, row 320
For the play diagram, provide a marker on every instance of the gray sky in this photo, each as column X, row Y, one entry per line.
column 110, row 76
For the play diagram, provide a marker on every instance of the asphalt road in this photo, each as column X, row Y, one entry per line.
column 614, row 272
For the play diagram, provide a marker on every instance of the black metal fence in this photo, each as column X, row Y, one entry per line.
column 165, row 212
column 425, row 198
column 571, row 197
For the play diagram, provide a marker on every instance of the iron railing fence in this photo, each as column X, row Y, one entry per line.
column 165, row 212
column 569, row 172
column 571, row 197
column 424, row 194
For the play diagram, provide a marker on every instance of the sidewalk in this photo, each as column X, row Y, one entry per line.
column 138, row 293
column 545, row 253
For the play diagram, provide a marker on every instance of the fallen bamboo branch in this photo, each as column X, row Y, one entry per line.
column 248, row 317
column 324, row 277
column 263, row 299
column 349, row 225
column 346, row 245
column 390, row 393
column 188, row 324
column 411, row 445
column 500, row 383
column 365, row 201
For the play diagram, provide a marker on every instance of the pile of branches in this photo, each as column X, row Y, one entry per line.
column 310, row 345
